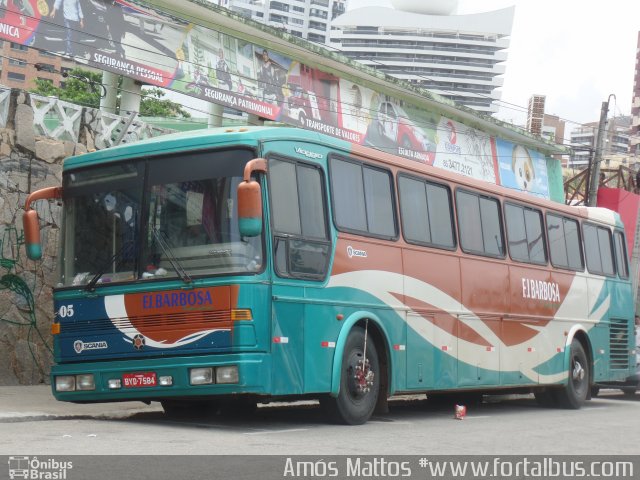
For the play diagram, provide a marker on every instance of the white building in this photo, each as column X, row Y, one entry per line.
column 308, row 19
column 460, row 57
column 616, row 141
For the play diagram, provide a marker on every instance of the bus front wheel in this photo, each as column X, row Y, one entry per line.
column 359, row 381
column 574, row 393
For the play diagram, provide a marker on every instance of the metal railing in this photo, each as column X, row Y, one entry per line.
column 60, row 120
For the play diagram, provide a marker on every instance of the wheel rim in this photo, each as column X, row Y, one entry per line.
column 360, row 376
column 578, row 375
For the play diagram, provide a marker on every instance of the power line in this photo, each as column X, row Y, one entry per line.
column 372, row 113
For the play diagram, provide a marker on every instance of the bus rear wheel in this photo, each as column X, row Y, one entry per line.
column 359, row 381
column 574, row 393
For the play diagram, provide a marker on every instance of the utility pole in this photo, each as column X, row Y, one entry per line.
column 594, row 178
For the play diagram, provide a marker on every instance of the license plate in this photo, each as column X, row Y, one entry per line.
column 144, row 379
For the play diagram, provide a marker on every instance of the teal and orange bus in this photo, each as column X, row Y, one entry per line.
column 239, row 266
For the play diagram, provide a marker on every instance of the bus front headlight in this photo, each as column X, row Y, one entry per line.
column 66, row 383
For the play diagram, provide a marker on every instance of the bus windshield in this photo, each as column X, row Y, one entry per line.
column 157, row 219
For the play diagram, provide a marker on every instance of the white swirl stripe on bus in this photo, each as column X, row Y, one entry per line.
column 382, row 284
column 117, row 313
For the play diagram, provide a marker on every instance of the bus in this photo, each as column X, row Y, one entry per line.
column 230, row 267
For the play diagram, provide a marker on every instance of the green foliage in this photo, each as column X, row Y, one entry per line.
column 80, row 87
column 85, row 88
column 153, row 105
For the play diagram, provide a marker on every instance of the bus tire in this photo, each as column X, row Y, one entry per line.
column 238, row 407
column 546, row 397
column 359, row 389
column 181, row 410
column 629, row 391
column 575, row 392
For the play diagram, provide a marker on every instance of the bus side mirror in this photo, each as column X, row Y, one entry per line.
column 30, row 223
column 250, row 200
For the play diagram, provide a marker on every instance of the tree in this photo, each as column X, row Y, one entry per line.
column 153, row 105
column 85, row 88
column 80, row 87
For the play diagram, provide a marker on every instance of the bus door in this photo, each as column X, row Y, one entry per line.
column 301, row 249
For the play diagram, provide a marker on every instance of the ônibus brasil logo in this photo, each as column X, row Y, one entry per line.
column 34, row 468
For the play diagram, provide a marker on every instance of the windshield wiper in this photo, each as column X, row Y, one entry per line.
column 175, row 263
column 91, row 286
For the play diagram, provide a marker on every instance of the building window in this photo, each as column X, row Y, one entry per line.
column 45, row 67
column 17, row 62
column 16, row 77
column 17, row 46
column 283, row 7
column 317, row 25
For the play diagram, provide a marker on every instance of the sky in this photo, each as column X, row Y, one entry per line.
column 576, row 52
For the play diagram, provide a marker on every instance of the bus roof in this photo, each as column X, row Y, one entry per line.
column 197, row 140
column 201, row 139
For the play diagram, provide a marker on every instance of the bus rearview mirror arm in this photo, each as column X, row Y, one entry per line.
column 30, row 220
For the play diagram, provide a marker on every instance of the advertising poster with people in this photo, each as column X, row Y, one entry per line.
column 522, row 169
column 132, row 39
column 123, row 37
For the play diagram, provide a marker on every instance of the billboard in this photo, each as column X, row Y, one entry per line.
column 154, row 47
column 522, row 169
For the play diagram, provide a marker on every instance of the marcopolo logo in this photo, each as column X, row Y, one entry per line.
column 79, row 346
column 352, row 252
column 36, row 469
column 308, row 153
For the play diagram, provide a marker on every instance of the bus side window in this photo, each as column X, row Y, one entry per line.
column 425, row 211
column 301, row 241
column 599, row 253
column 479, row 224
column 525, row 234
column 621, row 254
column 564, row 243
column 363, row 199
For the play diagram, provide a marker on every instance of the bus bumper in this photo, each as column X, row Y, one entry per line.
column 141, row 379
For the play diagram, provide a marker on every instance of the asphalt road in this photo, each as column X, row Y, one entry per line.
column 32, row 422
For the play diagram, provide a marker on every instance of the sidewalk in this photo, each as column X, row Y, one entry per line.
column 38, row 401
